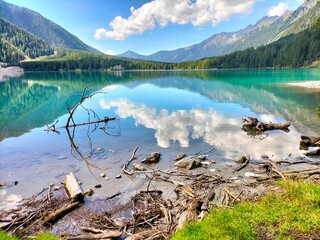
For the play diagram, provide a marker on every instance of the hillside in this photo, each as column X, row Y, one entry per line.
column 293, row 51
column 17, row 44
column 84, row 60
column 265, row 31
column 41, row 27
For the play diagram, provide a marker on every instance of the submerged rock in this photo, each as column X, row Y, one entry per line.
column 189, row 163
column 179, row 157
column 138, row 167
column 152, row 158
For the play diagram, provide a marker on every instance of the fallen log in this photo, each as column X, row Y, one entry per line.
column 73, row 188
column 307, row 142
column 313, row 153
column 253, row 124
column 102, row 235
column 60, row 212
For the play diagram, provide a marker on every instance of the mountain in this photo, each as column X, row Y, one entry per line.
column 293, row 51
column 41, row 27
column 265, row 31
column 16, row 44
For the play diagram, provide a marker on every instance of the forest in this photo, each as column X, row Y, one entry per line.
column 74, row 59
column 17, row 44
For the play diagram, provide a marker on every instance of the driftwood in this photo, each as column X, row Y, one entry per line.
column 254, row 126
column 313, row 153
column 60, row 212
column 98, row 234
column 124, row 167
column 73, row 188
column 307, row 142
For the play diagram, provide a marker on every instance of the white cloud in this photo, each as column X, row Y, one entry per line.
column 278, row 10
column 162, row 12
column 109, row 52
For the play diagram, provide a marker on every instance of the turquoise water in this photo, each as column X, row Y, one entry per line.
column 193, row 112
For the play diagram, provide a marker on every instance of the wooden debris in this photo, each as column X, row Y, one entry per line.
column 307, row 142
column 313, row 153
column 147, row 234
column 253, row 126
column 60, row 212
column 73, row 188
column 133, row 156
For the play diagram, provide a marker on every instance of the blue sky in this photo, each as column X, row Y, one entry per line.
column 115, row 26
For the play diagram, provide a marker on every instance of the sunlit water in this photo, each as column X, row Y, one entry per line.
column 192, row 112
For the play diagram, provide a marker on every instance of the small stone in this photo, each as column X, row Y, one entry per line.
column 102, row 175
column 179, row 157
column 51, row 184
column 241, row 159
column 106, row 178
column 138, row 167
column 152, row 158
column 213, row 161
column 212, row 170
column 264, row 156
column 62, row 157
column 98, row 149
column 202, row 157
column 56, row 188
column 89, row 192
column 205, row 164
column 80, row 183
column 98, row 185
column 118, row 176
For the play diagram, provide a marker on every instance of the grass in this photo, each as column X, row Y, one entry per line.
column 40, row 236
column 292, row 214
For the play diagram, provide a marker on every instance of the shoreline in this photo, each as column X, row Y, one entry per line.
column 315, row 84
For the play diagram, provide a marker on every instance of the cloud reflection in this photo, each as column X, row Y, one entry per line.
column 212, row 126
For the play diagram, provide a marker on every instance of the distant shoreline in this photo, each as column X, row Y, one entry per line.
column 7, row 72
column 306, row 84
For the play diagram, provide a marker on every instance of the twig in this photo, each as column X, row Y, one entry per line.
column 133, row 156
column 113, row 196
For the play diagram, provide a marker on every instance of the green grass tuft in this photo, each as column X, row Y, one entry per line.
column 295, row 212
column 39, row 236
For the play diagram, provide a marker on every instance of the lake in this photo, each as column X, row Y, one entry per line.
column 173, row 112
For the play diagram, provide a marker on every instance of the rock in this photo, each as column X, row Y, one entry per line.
column 118, row 176
column 205, row 164
column 98, row 185
column 264, row 156
column 102, row 175
column 152, row 158
column 251, row 174
column 188, row 163
column 179, row 157
column 213, row 161
column 241, row 159
column 212, row 170
column 202, row 157
column 98, row 149
column 89, row 192
column 138, row 167
column 56, row 188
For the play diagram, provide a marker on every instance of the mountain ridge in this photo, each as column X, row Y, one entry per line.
column 264, row 31
column 42, row 27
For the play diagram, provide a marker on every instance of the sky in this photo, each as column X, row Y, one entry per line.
column 145, row 27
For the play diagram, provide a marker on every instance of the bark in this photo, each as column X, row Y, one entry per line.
column 73, row 188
